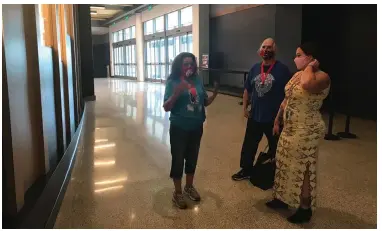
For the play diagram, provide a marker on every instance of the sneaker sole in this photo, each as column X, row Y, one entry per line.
column 177, row 205
column 240, row 179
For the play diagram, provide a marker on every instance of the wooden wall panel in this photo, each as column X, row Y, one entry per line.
column 24, row 100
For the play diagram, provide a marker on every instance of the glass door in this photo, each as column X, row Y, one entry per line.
column 155, row 60
column 130, row 64
column 176, row 45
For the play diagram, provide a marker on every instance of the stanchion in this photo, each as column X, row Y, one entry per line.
column 330, row 135
column 346, row 134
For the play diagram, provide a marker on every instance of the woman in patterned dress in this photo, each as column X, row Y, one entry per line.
column 296, row 158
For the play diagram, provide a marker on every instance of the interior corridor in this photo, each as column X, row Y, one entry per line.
column 121, row 174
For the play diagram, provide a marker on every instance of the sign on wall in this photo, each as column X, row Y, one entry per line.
column 205, row 60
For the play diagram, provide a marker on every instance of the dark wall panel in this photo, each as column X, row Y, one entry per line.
column 288, row 33
column 86, row 51
column 346, row 34
column 101, row 58
column 238, row 37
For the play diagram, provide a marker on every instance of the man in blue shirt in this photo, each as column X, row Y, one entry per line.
column 264, row 87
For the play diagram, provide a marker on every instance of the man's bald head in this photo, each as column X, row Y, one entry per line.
column 268, row 44
column 267, row 47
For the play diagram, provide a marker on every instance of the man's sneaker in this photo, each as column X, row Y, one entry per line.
column 241, row 175
column 179, row 201
column 191, row 192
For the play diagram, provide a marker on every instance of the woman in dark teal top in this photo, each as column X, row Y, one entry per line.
column 186, row 98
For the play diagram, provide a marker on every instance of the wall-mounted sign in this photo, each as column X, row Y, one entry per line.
column 205, row 60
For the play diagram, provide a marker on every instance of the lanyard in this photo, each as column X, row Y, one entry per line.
column 264, row 76
column 191, row 87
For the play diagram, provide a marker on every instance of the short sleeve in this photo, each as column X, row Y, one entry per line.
column 168, row 90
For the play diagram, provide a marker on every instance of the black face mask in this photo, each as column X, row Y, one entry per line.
column 268, row 55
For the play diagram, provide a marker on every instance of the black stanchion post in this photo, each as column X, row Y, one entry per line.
column 245, row 78
column 346, row 134
column 330, row 135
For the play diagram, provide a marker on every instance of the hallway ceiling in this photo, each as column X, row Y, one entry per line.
column 108, row 11
column 102, row 15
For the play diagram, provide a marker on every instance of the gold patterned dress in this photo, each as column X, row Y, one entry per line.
column 297, row 148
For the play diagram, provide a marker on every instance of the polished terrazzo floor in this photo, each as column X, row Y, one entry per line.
column 120, row 178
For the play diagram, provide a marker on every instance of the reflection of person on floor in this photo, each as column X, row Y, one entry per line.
column 265, row 87
column 186, row 98
column 296, row 159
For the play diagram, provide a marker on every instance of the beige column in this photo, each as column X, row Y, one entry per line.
column 140, row 47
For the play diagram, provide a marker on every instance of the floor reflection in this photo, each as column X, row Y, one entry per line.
column 143, row 104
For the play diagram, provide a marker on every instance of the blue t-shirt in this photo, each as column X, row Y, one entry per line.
column 266, row 97
column 188, row 112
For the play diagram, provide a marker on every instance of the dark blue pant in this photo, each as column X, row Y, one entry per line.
column 253, row 135
column 184, row 150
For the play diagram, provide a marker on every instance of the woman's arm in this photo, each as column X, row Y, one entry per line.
column 211, row 98
column 170, row 101
column 279, row 117
column 314, row 82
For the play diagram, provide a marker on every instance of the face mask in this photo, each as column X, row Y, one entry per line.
column 187, row 71
column 267, row 55
column 301, row 62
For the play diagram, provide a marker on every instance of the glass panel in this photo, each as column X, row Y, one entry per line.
column 157, row 72
column 163, row 72
column 159, row 24
column 170, row 44
column 128, row 71
column 129, row 50
column 162, row 52
column 152, row 76
column 172, row 20
column 133, row 71
column 127, row 33
column 157, row 50
column 183, row 43
column 133, row 32
column 133, row 54
column 148, row 52
column 190, row 44
column 152, row 47
column 126, row 53
column 177, row 48
column 186, row 16
column 148, row 71
column 120, row 55
column 116, row 55
column 120, row 35
column 149, row 27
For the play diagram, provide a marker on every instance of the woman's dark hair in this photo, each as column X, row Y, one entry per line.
column 309, row 48
column 176, row 67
